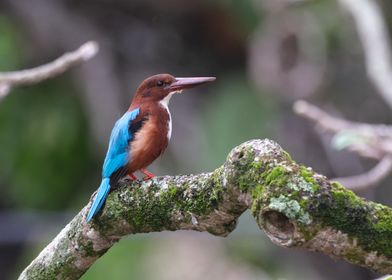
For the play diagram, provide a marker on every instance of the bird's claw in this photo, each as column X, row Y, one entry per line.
column 148, row 177
column 132, row 176
column 148, row 174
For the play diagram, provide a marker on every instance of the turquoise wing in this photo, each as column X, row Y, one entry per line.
column 116, row 158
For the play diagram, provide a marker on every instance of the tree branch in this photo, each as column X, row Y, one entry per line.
column 295, row 207
column 35, row 75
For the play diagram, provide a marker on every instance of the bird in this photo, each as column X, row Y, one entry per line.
column 142, row 134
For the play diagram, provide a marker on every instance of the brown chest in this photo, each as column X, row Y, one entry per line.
column 152, row 138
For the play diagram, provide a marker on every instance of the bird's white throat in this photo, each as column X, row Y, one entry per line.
column 165, row 101
column 165, row 104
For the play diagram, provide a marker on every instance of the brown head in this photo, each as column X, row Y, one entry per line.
column 162, row 86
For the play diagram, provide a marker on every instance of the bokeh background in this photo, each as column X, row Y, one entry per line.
column 265, row 54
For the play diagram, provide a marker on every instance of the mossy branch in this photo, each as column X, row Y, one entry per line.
column 292, row 204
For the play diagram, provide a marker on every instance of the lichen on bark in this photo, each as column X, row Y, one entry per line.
column 296, row 206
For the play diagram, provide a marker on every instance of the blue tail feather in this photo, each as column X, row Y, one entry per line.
column 99, row 199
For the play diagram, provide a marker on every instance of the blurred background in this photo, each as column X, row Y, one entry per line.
column 266, row 55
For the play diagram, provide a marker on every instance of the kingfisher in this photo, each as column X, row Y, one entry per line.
column 142, row 134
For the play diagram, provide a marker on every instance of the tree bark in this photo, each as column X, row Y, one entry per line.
column 292, row 204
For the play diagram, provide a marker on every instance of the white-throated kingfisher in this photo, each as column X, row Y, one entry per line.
column 142, row 133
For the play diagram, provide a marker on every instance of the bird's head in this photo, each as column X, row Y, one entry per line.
column 161, row 87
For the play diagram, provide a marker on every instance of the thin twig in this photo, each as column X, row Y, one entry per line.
column 370, row 179
column 318, row 116
column 373, row 34
column 4, row 90
column 378, row 144
column 334, row 124
column 378, row 136
column 35, row 75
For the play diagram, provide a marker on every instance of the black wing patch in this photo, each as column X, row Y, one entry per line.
column 117, row 175
column 134, row 127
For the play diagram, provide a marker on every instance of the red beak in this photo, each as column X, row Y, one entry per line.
column 184, row 83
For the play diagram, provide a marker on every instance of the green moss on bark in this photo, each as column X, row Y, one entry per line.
column 276, row 176
column 370, row 223
column 152, row 204
column 295, row 192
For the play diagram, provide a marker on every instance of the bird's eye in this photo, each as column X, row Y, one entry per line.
column 160, row 83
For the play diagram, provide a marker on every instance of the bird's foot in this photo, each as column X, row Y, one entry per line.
column 148, row 174
column 132, row 176
column 147, row 177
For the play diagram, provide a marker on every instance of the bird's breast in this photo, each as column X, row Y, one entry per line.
column 151, row 140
